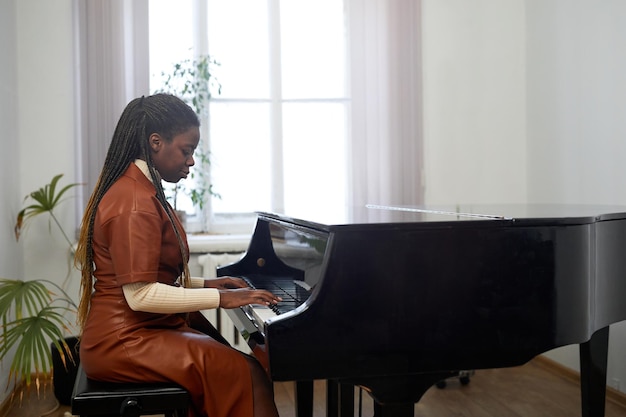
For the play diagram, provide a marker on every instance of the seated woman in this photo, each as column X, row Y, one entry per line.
column 137, row 297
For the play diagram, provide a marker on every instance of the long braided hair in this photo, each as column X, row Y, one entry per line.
column 164, row 114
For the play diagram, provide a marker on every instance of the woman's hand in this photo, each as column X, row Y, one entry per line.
column 235, row 292
column 225, row 283
column 232, row 298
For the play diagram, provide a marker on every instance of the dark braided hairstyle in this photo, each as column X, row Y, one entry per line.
column 164, row 114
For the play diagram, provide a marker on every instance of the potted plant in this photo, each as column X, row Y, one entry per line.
column 35, row 312
column 194, row 82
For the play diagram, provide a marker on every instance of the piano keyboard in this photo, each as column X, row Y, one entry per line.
column 293, row 292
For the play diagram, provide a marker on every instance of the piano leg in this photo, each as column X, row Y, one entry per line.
column 593, row 363
column 396, row 396
column 304, row 398
column 393, row 410
column 339, row 399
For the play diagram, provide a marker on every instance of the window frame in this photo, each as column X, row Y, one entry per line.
column 207, row 220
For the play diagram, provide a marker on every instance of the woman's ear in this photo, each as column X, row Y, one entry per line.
column 155, row 141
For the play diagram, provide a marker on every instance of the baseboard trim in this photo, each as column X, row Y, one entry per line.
column 613, row 395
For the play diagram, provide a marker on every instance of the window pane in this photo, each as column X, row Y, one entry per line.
column 238, row 39
column 314, row 158
column 166, row 48
column 303, row 170
column 313, row 49
column 168, row 43
column 240, row 156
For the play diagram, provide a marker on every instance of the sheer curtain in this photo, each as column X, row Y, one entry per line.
column 112, row 61
column 386, row 137
column 386, row 129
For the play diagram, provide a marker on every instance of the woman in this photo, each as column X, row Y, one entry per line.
column 134, row 326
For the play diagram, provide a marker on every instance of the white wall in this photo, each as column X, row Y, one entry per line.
column 46, row 121
column 576, row 118
column 10, row 254
column 576, row 105
column 525, row 101
column 474, row 101
column 37, row 122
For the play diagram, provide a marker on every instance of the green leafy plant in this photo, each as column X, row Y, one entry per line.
column 193, row 80
column 46, row 200
column 33, row 316
column 34, row 312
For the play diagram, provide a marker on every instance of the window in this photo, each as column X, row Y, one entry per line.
column 277, row 133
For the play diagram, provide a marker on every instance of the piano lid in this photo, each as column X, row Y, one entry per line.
column 381, row 214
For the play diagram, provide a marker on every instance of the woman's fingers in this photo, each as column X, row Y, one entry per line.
column 242, row 296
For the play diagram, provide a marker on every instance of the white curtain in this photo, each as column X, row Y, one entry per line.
column 113, row 62
column 385, row 61
column 385, row 41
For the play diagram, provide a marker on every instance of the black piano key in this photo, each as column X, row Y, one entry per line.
column 292, row 294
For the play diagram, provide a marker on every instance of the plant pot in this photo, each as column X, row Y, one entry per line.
column 63, row 376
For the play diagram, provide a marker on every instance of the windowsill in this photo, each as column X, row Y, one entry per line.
column 204, row 243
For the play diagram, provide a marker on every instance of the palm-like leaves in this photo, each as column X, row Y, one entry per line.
column 34, row 312
column 46, row 200
column 39, row 320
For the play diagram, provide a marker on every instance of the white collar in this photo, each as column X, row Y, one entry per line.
column 143, row 166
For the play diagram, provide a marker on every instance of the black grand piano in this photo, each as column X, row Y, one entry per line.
column 395, row 298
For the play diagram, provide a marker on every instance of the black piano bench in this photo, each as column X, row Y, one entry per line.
column 96, row 398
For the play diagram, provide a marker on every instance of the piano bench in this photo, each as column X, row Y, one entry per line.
column 96, row 398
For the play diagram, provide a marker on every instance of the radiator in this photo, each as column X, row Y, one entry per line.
column 209, row 263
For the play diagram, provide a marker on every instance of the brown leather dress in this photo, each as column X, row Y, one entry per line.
column 134, row 241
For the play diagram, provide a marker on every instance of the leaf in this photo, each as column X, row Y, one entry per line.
column 40, row 320
column 193, row 81
column 31, row 338
column 48, row 199
column 25, row 296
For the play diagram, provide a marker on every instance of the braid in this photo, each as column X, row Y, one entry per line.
column 186, row 276
column 161, row 113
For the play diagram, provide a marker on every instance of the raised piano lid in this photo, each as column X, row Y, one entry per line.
column 378, row 214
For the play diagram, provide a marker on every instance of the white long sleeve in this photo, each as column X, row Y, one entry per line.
column 197, row 282
column 155, row 297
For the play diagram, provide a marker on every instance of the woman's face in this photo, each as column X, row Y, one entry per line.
column 173, row 159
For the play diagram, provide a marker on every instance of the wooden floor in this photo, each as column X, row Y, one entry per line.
column 532, row 390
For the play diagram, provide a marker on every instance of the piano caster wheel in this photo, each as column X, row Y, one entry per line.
column 464, row 379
